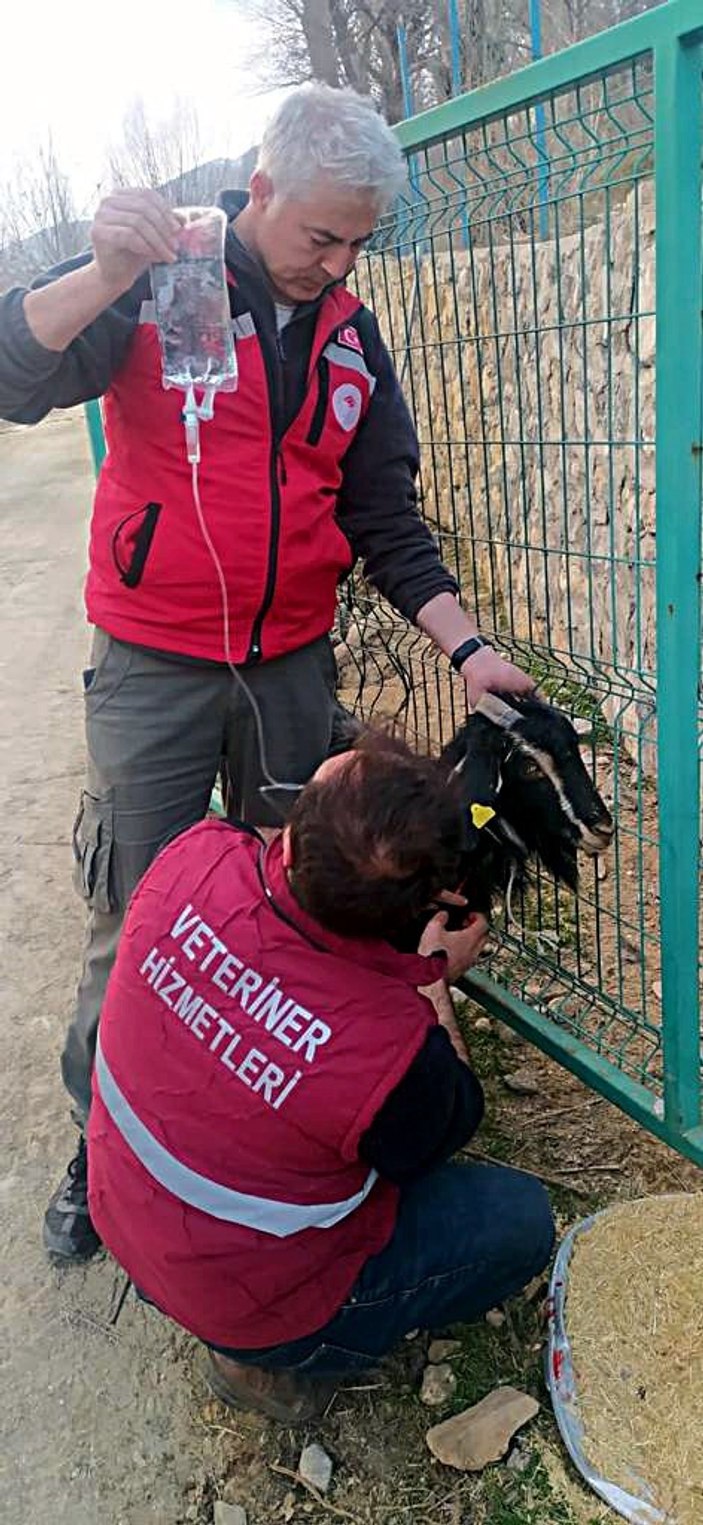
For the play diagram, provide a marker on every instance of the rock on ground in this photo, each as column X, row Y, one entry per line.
column 481, row 1434
column 523, row 1082
column 438, row 1385
column 519, row 1458
column 315, row 1467
column 507, row 1034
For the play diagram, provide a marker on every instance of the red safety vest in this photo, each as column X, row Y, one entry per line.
column 243, row 1051
column 269, row 506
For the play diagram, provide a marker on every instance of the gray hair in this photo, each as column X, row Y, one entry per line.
column 322, row 133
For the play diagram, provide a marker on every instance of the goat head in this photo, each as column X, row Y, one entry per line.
column 528, row 796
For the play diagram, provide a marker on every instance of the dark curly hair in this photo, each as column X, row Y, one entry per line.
column 375, row 840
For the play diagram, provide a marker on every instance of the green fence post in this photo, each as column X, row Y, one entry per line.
column 679, row 333
column 94, row 421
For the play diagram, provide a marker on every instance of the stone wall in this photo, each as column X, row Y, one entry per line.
column 530, row 372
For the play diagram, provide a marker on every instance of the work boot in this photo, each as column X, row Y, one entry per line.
column 278, row 1394
column 68, row 1233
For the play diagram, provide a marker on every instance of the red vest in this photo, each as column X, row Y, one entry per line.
column 243, row 1051
column 269, row 509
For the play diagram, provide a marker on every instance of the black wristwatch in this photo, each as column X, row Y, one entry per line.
column 466, row 650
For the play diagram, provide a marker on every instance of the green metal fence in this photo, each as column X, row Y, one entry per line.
column 564, row 487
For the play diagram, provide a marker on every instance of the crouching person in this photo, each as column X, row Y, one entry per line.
column 278, row 1091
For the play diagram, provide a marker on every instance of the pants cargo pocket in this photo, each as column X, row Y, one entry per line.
column 92, row 850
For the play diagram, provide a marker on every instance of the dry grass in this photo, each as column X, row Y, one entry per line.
column 635, row 1322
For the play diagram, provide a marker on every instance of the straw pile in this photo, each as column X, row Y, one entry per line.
column 582, row 1505
column 634, row 1316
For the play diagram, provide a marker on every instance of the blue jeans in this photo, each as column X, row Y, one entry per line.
column 467, row 1237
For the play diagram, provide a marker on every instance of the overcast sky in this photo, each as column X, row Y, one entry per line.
column 56, row 74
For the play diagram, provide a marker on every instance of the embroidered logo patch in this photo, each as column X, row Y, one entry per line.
column 346, row 406
column 350, row 338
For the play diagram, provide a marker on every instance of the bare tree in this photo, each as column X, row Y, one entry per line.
column 39, row 223
column 316, row 26
column 354, row 42
column 168, row 156
column 157, row 155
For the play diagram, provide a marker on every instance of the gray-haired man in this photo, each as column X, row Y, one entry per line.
column 308, row 466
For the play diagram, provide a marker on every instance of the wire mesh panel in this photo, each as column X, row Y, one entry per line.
column 543, row 271
column 515, row 286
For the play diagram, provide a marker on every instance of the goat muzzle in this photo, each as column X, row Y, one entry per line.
column 594, row 840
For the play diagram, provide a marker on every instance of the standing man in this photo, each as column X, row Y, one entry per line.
column 310, row 465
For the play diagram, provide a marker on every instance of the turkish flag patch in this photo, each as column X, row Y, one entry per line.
column 350, row 338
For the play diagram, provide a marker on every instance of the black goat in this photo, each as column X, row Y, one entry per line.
column 528, row 796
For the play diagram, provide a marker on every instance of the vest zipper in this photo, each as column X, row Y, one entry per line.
column 272, row 354
column 323, row 391
column 277, row 476
column 273, row 357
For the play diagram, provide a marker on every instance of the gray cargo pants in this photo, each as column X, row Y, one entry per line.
column 156, row 730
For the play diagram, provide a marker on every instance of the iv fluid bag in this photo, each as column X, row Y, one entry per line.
column 191, row 301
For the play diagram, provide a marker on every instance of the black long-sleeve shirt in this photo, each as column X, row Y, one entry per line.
column 431, row 1113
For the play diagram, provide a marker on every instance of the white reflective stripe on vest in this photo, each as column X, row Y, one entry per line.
column 243, row 326
column 277, row 1218
column 340, row 355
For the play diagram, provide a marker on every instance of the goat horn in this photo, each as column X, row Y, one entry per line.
column 497, row 710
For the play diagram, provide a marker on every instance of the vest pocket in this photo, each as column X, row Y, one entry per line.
column 92, row 851
column 131, row 542
column 323, row 392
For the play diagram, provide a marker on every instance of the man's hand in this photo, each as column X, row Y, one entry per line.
column 446, row 1016
column 487, row 672
column 132, row 230
column 462, row 948
column 443, row 618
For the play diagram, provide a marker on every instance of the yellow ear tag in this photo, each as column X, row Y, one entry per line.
column 481, row 815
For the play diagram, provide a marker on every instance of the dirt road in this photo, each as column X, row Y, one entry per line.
column 105, row 1426
column 88, row 1416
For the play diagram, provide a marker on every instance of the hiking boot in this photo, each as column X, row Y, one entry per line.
column 68, row 1233
column 278, row 1394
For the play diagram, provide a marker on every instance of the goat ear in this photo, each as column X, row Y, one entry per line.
column 495, row 709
